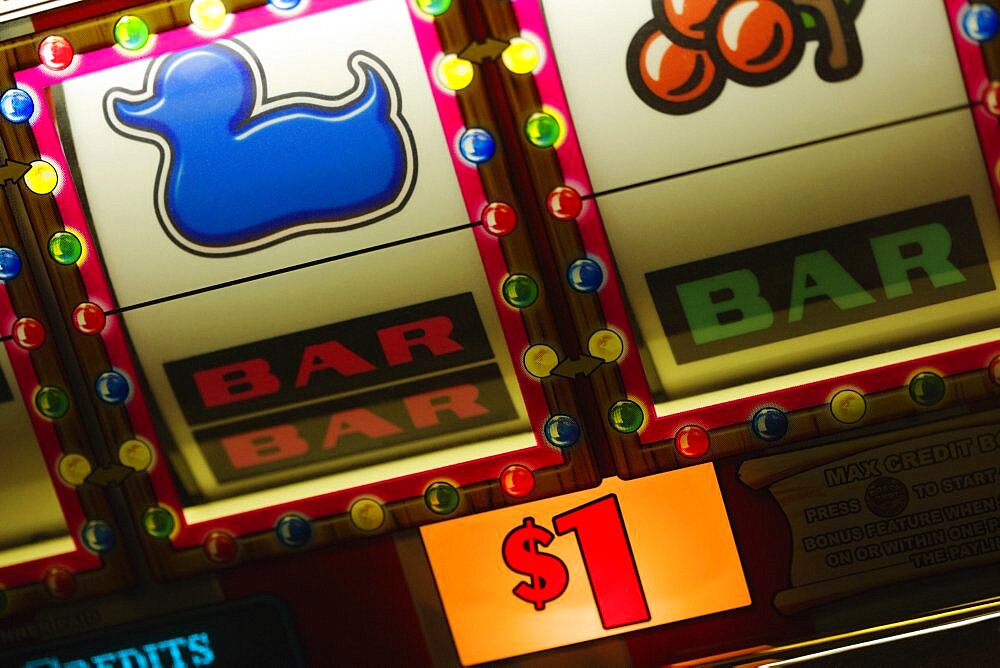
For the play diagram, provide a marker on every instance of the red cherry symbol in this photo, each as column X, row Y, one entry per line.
column 674, row 73
column 686, row 16
column 755, row 36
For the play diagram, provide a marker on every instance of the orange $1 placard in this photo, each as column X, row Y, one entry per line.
column 511, row 586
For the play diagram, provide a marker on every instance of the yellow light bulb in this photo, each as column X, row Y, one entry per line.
column 42, row 178
column 208, row 15
column 74, row 469
column 540, row 360
column 606, row 345
column 455, row 73
column 848, row 406
column 367, row 514
column 135, row 454
column 520, row 56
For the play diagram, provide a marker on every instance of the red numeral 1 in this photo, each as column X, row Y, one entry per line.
column 607, row 556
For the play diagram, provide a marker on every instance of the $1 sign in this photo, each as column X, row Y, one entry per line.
column 548, row 574
column 607, row 558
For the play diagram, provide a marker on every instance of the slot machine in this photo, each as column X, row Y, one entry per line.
column 517, row 332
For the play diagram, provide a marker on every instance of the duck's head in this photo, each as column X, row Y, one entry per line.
column 203, row 89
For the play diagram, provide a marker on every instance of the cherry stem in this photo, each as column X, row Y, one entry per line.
column 838, row 58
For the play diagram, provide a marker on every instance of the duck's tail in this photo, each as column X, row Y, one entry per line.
column 378, row 95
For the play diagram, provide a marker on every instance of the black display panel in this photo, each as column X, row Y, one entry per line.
column 254, row 632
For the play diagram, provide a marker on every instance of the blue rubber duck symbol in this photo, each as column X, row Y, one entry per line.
column 240, row 171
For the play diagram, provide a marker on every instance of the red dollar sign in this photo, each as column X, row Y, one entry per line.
column 548, row 573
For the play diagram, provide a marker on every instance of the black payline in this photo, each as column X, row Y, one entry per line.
column 784, row 149
column 474, row 224
column 295, row 267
